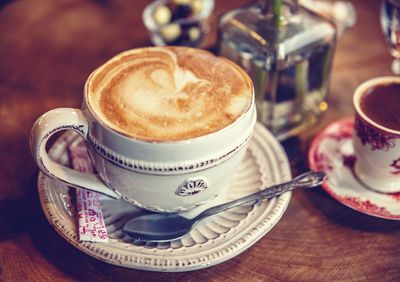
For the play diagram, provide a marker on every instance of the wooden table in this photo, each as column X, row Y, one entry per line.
column 47, row 50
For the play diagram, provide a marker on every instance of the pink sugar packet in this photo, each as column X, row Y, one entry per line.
column 90, row 217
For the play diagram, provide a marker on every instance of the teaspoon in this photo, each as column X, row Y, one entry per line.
column 161, row 227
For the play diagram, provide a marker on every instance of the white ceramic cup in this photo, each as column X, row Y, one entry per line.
column 377, row 148
column 168, row 176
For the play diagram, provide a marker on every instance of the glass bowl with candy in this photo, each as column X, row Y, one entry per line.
column 178, row 22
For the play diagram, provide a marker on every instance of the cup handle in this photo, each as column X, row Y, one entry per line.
column 50, row 123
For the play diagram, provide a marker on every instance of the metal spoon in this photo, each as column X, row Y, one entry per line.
column 161, row 227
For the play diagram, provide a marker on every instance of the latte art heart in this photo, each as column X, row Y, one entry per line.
column 169, row 93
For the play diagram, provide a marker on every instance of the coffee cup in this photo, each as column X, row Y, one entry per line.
column 376, row 136
column 165, row 127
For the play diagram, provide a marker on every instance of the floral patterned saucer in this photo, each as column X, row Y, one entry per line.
column 332, row 152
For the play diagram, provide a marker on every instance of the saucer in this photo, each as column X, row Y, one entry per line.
column 215, row 240
column 332, row 152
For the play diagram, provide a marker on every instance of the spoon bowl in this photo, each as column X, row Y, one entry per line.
column 158, row 227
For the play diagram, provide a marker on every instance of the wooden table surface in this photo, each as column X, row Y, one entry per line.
column 47, row 50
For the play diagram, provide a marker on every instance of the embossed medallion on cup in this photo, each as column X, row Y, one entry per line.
column 164, row 126
column 376, row 138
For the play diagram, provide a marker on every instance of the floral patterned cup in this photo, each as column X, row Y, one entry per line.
column 377, row 148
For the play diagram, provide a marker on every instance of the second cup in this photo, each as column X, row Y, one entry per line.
column 376, row 137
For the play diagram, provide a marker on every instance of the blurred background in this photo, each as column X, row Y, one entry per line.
column 48, row 49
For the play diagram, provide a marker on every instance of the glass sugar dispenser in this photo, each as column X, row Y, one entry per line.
column 288, row 51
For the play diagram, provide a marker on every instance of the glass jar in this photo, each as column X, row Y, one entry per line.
column 288, row 51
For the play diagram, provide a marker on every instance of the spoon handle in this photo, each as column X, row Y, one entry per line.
column 307, row 180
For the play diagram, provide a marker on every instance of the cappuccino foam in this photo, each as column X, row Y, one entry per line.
column 168, row 93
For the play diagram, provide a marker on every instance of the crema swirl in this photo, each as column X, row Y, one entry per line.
column 168, row 93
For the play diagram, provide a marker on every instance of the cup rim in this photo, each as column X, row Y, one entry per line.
column 360, row 91
column 86, row 99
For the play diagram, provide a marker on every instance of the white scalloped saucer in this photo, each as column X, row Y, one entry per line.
column 215, row 240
